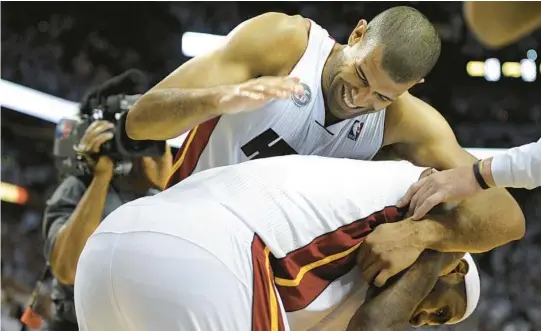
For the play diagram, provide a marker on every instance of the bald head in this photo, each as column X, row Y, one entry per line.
column 411, row 45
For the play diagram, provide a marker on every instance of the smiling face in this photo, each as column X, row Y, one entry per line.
column 446, row 303
column 358, row 83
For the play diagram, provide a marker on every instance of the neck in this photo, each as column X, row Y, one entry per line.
column 326, row 81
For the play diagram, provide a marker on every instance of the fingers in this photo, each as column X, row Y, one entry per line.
column 410, row 193
column 95, row 129
column 99, row 140
column 383, row 277
column 420, row 196
column 369, row 262
column 252, row 95
column 95, row 135
column 414, row 189
column 427, row 205
column 364, row 256
column 271, row 88
column 261, row 93
column 272, row 92
column 371, row 272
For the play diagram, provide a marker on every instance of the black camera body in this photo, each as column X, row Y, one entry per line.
column 121, row 149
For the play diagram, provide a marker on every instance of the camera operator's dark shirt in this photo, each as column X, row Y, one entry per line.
column 59, row 209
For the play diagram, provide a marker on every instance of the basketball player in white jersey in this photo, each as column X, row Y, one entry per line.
column 263, row 246
column 281, row 85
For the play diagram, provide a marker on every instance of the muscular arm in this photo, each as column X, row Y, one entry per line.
column 468, row 228
column 497, row 24
column 391, row 308
column 192, row 93
column 491, row 219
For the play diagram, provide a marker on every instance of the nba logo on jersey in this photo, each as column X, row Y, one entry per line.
column 304, row 98
column 355, row 130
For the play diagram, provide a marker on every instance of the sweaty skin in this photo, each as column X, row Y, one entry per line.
column 251, row 68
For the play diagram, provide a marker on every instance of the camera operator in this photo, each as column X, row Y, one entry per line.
column 81, row 202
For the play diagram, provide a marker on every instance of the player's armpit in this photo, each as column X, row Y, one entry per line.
column 386, row 153
column 390, row 308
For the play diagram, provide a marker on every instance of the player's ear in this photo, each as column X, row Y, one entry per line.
column 358, row 33
column 457, row 275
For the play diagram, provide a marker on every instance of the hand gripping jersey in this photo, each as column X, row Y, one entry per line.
column 282, row 127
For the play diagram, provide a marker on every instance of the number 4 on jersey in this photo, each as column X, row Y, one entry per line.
column 267, row 144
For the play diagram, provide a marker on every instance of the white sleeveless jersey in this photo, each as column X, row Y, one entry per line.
column 282, row 127
column 310, row 212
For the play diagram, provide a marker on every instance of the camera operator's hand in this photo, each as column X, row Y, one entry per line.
column 96, row 135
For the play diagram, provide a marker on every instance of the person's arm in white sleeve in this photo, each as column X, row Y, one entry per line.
column 517, row 167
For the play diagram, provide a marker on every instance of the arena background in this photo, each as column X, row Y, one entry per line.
column 64, row 48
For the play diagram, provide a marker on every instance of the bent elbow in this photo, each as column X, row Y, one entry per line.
column 519, row 228
column 513, row 226
column 509, row 219
column 143, row 121
column 134, row 130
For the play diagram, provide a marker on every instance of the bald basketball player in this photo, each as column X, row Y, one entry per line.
column 281, row 85
column 263, row 246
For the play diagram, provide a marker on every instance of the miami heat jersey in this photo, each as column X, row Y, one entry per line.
column 310, row 212
column 282, row 127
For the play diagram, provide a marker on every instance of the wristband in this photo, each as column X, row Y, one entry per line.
column 480, row 180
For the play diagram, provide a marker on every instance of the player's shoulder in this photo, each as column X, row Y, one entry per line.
column 279, row 27
column 274, row 41
column 408, row 117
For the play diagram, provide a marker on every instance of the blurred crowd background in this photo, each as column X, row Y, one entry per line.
column 65, row 48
